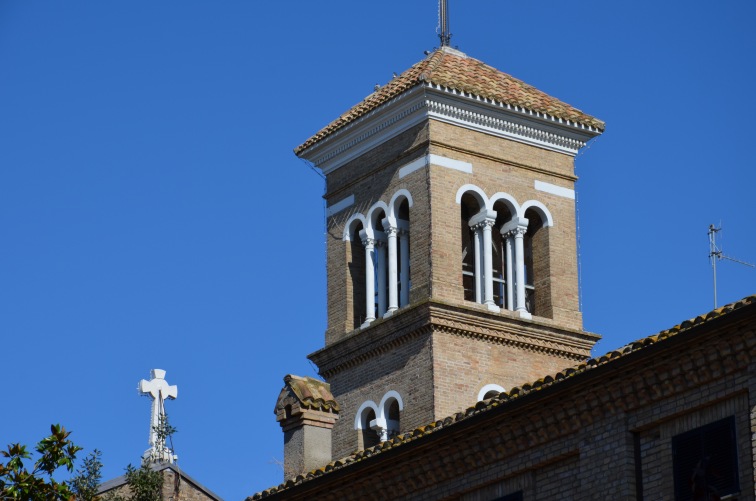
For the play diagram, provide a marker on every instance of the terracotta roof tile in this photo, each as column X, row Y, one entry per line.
column 513, row 394
column 454, row 70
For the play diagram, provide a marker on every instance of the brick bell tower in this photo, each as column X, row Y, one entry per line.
column 451, row 242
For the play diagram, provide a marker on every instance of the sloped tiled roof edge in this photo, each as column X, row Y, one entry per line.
column 452, row 69
column 511, row 396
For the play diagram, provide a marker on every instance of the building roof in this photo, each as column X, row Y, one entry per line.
column 504, row 399
column 117, row 482
column 450, row 68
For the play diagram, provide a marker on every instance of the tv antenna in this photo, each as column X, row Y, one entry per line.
column 716, row 254
column 443, row 23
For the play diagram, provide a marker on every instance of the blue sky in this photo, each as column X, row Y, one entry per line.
column 153, row 215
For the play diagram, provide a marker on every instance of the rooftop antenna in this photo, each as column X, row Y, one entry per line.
column 716, row 254
column 443, row 23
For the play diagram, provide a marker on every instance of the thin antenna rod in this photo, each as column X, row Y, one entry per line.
column 716, row 254
column 713, row 252
column 443, row 21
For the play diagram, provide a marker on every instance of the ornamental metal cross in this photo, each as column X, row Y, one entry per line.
column 159, row 390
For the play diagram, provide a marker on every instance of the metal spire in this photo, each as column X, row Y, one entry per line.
column 443, row 23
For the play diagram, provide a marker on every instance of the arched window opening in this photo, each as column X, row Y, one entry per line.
column 380, row 269
column 501, row 263
column 356, row 266
column 471, row 266
column 403, row 251
column 393, row 422
column 536, row 262
column 367, row 436
column 489, row 391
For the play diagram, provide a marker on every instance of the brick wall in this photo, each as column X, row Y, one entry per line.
column 603, row 433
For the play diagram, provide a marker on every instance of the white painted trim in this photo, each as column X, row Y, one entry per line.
column 481, row 195
column 450, row 163
column 413, row 166
column 357, row 418
column 348, row 226
column 555, row 190
column 487, row 388
column 372, row 215
column 341, row 205
column 395, row 202
column 541, row 209
column 509, row 201
column 389, row 394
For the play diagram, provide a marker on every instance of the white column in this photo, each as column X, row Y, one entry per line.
column 477, row 237
column 404, row 270
column 482, row 223
column 380, row 251
column 488, row 265
column 519, row 234
column 369, row 244
column 510, row 275
column 393, row 278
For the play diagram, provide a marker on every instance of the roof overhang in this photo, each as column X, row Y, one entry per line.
column 428, row 101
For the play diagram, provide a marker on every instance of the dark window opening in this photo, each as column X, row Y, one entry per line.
column 705, row 462
column 515, row 496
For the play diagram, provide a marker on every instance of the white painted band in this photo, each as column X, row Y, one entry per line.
column 340, row 206
column 413, row 166
column 555, row 190
column 435, row 160
column 451, row 164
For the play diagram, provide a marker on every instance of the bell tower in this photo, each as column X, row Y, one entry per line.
column 451, row 243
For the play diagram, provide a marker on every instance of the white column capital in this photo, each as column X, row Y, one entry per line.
column 484, row 217
column 515, row 226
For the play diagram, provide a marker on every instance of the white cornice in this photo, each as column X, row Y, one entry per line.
column 450, row 106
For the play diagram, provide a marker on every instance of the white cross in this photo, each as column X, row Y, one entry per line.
column 159, row 390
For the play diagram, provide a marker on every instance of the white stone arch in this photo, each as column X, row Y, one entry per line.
column 487, row 388
column 540, row 209
column 372, row 216
column 355, row 218
column 369, row 404
column 395, row 202
column 478, row 193
column 391, row 394
column 508, row 200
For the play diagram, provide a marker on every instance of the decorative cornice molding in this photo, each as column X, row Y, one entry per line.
column 391, row 333
column 463, row 109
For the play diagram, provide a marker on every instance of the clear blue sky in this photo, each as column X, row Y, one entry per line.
column 152, row 213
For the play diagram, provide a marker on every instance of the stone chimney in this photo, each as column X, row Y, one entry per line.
column 307, row 412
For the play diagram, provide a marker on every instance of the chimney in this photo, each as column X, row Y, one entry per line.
column 306, row 411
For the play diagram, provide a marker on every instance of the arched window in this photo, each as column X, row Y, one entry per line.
column 380, row 242
column 536, row 263
column 502, row 259
column 356, row 274
column 364, row 424
column 471, row 265
column 403, row 251
column 489, row 391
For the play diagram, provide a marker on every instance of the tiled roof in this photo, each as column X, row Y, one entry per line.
column 311, row 393
column 515, row 393
column 452, row 69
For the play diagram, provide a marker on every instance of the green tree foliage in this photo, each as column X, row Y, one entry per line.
column 87, row 478
column 19, row 482
column 145, row 484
